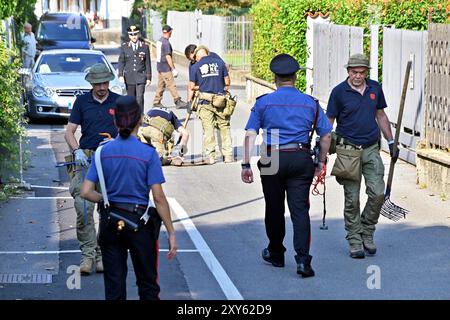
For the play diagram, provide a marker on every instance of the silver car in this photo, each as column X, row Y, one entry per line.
column 57, row 78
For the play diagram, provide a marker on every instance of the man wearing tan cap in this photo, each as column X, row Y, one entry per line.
column 94, row 112
column 358, row 106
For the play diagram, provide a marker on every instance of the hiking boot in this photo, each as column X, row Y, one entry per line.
column 180, row 104
column 177, row 161
column 357, row 251
column 210, row 160
column 86, row 266
column 368, row 244
column 158, row 105
column 99, row 266
column 228, row 159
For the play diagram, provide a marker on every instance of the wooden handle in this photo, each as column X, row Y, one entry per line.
column 399, row 123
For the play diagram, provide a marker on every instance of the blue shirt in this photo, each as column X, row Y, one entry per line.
column 165, row 114
column 211, row 54
column 355, row 114
column 209, row 73
column 94, row 118
column 166, row 50
column 287, row 116
column 130, row 168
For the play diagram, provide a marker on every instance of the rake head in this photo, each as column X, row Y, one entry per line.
column 392, row 211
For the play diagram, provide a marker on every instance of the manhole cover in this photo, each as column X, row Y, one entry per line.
column 25, row 278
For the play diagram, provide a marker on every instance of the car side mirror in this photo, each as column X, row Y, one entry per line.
column 93, row 40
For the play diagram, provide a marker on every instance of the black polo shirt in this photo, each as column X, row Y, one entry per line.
column 94, row 118
column 355, row 114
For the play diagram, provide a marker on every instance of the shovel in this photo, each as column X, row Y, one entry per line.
column 389, row 209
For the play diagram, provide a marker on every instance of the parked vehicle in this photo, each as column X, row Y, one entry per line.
column 57, row 79
column 64, row 31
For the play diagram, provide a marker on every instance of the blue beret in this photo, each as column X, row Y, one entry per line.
column 284, row 64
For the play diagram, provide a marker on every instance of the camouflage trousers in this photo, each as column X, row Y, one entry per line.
column 358, row 223
column 156, row 138
column 86, row 234
column 212, row 117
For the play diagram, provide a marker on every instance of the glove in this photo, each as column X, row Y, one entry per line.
column 80, row 158
column 391, row 151
column 174, row 73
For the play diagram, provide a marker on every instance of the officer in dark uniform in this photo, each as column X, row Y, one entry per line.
column 131, row 170
column 134, row 65
column 286, row 117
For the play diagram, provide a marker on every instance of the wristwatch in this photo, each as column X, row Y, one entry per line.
column 245, row 166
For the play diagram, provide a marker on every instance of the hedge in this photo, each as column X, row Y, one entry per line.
column 10, row 113
column 279, row 26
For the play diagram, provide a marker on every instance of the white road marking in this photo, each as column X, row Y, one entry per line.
column 225, row 283
column 77, row 251
column 42, row 198
column 47, row 187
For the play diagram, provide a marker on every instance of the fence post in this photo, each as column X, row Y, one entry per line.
column 374, row 52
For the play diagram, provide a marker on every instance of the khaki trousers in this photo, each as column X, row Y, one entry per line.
column 210, row 117
column 166, row 80
column 357, row 223
column 86, row 234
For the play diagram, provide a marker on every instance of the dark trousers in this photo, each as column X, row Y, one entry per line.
column 143, row 248
column 293, row 177
column 137, row 90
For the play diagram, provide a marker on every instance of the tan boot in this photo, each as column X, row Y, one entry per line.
column 86, row 266
column 369, row 245
column 99, row 266
column 229, row 159
column 357, row 251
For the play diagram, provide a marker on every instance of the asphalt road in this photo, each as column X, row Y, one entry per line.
column 220, row 225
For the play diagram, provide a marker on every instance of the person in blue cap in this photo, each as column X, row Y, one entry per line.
column 286, row 117
column 131, row 170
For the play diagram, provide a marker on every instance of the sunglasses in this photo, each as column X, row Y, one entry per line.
column 133, row 33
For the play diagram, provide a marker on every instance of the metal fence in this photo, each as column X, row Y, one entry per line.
column 238, row 42
column 437, row 96
column 229, row 37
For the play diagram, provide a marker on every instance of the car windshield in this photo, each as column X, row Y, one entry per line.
column 51, row 63
column 59, row 30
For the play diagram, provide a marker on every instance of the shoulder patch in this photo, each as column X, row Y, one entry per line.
column 265, row 94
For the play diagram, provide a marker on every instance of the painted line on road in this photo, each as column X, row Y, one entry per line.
column 225, row 283
column 77, row 251
column 46, row 130
column 42, row 198
column 47, row 187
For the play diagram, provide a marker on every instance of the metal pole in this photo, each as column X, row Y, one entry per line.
column 243, row 40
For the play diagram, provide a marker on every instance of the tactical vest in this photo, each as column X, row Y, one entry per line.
column 163, row 125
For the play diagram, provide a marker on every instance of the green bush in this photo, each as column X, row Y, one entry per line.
column 279, row 26
column 10, row 111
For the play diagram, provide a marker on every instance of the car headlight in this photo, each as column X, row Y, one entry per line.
column 39, row 91
column 117, row 89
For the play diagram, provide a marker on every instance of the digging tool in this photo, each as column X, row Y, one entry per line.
column 389, row 209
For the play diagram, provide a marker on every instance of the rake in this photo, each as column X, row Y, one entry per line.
column 389, row 209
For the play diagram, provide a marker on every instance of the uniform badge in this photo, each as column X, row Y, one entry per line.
column 111, row 111
column 372, row 96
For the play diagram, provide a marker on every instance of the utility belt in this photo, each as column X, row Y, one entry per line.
column 295, row 146
column 222, row 101
column 135, row 209
column 342, row 140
